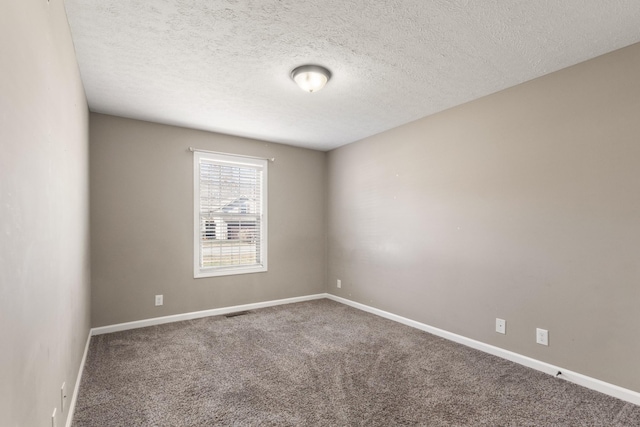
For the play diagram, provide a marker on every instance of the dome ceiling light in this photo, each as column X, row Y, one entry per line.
column 311, row 78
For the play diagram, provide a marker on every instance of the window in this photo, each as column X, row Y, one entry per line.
column 230, row 221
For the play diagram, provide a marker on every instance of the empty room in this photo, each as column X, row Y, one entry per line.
column 296, row 213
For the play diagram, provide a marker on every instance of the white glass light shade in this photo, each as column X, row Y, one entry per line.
column 311, row 78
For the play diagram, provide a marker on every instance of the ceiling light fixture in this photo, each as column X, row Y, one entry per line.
column 311, row 78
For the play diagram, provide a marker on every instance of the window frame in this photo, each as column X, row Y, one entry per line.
column 230, row 160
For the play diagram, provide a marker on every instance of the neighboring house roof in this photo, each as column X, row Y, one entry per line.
column 240, row 205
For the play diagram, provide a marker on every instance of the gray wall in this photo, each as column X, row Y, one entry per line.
column 44, row 212
column 142, row 222
column 523, row 205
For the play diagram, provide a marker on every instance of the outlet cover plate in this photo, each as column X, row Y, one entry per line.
column 542, row 336
column 339, row 283
column 501, row 326
column 63, row 398
column 159, row 300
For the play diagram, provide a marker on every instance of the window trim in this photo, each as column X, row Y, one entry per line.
column 202, row 272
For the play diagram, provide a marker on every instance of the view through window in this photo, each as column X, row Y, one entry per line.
column 230, row 220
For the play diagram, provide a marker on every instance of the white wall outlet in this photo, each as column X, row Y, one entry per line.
column 54, row 423
column 63, row 398
column 542, row 336
column 159, row 300
column 501, row 326
column 339, row 283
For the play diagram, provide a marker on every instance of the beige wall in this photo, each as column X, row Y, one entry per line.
column 523, row 205
column 142, row 222
column 44, row 213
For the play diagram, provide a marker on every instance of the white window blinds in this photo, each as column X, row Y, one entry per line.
column 230, row 214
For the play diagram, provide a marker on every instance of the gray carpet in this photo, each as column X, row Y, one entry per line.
column 320, row 363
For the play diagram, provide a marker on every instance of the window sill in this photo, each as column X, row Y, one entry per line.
column 227, row 271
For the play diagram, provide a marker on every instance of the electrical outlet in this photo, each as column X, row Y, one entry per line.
column 501, row 326
column 63, row 398
column 542, row 336
column 159, row 300
column 54, row 422
column 339, row 283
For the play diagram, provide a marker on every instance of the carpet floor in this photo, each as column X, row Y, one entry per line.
column 320, row 363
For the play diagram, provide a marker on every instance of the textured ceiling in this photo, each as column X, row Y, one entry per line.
column 223, row 65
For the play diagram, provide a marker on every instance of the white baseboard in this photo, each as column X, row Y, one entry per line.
column 574, row 377
column 198, row 314
column 76, row 388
